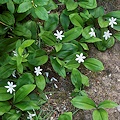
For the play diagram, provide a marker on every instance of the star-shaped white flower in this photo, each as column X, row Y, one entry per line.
column 80, row 58
column 107, row 35
column 59, row 35
column 10, row 87
column 112, row 21
column 92, row 33
column 30, row 116
column 38, row 71
column 13, row 74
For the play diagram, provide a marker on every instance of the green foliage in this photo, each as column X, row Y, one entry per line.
column 29, row 44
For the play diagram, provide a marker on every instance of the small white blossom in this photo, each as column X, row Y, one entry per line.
column 30, row 116
column 46, row 97
column 112, row 21
column 53, row 79
column 15, row 53
column 80, row 58
column 92, row 33
column 55, row 85
column 13, row 74
column 38, row 71
column 59, row 35
column 47, row 74
column 107, row 35
column 10, row 87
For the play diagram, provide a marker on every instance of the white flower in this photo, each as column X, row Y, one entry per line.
column 30, row 116
column 107, row 35
column 10, row 87
column 46, row 74
column 13, row 74
column 112, row 21
column 92, row 33
column 15, row 53
column 59, row 35
column 38, row 71
column 80, row 58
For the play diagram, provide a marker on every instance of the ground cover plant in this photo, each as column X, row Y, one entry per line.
column 36, row 33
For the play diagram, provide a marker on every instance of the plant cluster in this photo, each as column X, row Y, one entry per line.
column 27, row 29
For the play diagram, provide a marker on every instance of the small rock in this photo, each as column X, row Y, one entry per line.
column 118, row 108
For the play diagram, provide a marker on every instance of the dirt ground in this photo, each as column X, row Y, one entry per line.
column 104, row 85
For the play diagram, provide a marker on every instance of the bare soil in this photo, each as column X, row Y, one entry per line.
column 104, row 85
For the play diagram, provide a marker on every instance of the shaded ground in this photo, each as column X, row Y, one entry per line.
column 103, row 85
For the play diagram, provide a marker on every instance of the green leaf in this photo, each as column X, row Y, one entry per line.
column 3, row 1
column 48, row 38
column 21, row 30
column 65, row 116
column 4, row 96
column 58, row 68
column 10, row 6
column 102, row 22
column 100, row 114
column 52, row 22
column 18, row 1
column 85, row 46
column 6, row 71
column 23, row 91
column 64, row 20
column 40, row 82
column 107, row 104
column 25, row 6
column 117, row 36
column 26, row 78
column 88, row 4
column 41, row 2
column 58, row 47
column 97, row 12
column 41, row 13
column 4, row 107
column 76, row 78
column 72, row 34
column 91, row 40
column 83, row 102
column 7, row 18
column 36, row 61
column 114, row 14
column 93, row 64
column 11, row 115
column 84, row 80
column 85, row 32
column 27, row 105
column 71, row 5
column 76, row 19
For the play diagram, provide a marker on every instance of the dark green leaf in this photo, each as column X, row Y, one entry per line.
column 10, row 6
column 72, row 34
column 27, row 105
column 76, row 78
column 4, row 107
column 102, row 22
column 71, row 5
column 100, row 114
column 93, row 64
column 52, row 22
column 65, row 116
column 3, row 1
column 88, row 4
column 23, row 91
column 107, row 104
column 83, row 102
column 58, row 68
column 117, row 36
column 7, row 18
column 41, row 2
column 25, row 6
column 41, row 13
column 40, row 82
column 58, row 47
column 4, row 96
column 91, row 40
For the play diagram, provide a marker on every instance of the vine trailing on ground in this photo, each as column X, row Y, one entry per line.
column 27, row 27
